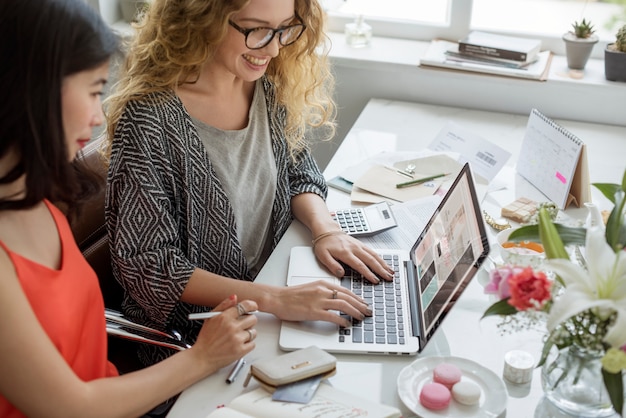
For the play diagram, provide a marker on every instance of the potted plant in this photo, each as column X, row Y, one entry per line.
column 615, row 57
column 579, row 43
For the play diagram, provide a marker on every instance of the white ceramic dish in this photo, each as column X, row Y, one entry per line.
column 492, row 399
column 517, row 256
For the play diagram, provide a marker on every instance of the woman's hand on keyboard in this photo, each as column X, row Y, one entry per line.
column 319, row 301
column 337, row 251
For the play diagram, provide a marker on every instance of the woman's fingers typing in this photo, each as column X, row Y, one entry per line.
column 338, row 253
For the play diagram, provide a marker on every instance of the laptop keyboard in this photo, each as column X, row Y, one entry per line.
column 385, row 324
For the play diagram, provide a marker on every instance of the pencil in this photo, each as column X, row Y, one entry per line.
column 419, row 181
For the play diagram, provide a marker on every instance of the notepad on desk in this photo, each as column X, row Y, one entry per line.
column 328, row 402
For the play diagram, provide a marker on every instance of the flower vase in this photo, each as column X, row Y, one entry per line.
column 572, row 381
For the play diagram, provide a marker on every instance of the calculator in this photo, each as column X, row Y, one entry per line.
column 364, row 221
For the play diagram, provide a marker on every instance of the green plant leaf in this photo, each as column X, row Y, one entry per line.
column 615, row 228
column 615, row 386
column 569, row 235
column 547, row 346
column 608, row 190
column 500, row 308
column 550, row 239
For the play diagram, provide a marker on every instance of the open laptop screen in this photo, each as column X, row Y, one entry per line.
column 451, row 248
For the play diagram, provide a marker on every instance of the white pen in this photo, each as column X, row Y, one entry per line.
column 206, row 315
column 235, row 371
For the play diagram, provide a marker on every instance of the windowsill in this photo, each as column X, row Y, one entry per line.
column 388, row 52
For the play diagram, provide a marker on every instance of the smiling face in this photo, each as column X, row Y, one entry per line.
column 249, row 64
column 82, row 107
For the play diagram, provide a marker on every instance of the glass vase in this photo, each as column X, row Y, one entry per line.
column 572, row 381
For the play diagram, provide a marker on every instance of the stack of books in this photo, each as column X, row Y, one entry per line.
column 492, row 54
column 507, row 51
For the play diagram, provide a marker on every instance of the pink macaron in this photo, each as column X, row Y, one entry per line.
column 435, row 396
column 447, row 374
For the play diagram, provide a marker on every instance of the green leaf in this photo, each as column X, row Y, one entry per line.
column 547, row 346
column 615, row 386
column 500, row 308
column 615, row 228
column 569, row 235
column 608, row 190
column 550, row 239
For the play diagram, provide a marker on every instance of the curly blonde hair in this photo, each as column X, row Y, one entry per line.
column 176, row 37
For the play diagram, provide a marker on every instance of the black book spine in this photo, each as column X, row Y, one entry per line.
column 491, row 52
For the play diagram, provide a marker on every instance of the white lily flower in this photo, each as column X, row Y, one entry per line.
column 603, row 286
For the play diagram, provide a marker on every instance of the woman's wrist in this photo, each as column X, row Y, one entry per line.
column 327, row 234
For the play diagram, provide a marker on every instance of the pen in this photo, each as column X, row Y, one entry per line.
column 235, row 371
column 419, row 181
column 206, row 315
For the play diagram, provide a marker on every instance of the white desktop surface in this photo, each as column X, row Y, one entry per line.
column 462, row 333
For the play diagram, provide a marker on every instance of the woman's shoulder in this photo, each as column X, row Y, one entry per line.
column 158, row 101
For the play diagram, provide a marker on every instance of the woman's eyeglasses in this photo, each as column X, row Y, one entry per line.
column 257, row 38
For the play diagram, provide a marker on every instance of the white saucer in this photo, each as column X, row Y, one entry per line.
column 492, row 400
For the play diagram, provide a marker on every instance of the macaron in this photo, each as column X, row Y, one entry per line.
column 435, row 396
column 447, row 374
column 466, row 393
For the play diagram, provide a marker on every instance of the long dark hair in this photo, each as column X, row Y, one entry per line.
column 41, row 42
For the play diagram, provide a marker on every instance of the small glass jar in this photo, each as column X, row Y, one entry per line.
column 358, row 33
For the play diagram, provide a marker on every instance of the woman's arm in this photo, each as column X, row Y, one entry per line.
column 36, row 379
column 312, row 211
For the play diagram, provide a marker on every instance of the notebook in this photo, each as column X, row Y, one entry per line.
column 429, row 279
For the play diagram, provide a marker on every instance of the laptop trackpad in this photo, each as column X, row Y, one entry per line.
column 320, row 328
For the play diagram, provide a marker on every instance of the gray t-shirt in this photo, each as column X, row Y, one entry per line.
column 244, row 162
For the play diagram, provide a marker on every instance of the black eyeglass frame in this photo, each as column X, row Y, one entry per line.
column 278, row 31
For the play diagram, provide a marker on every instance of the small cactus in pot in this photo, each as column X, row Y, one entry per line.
column 615, row 57
column 579, row 43
column 583, row 29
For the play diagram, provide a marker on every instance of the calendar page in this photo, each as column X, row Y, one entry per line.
column 549, row 158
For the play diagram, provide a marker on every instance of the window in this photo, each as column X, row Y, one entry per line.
column 452, row 19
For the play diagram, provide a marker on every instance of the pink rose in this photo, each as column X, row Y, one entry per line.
column 529, row 289
column 498, row 281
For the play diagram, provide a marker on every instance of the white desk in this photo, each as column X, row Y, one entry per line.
column 462, row 334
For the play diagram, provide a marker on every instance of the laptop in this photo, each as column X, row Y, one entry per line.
column 365, row 221
column 429, row 279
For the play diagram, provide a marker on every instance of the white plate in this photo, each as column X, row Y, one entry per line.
column 492, row 399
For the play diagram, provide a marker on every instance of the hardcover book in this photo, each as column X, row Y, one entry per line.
column 500, row 46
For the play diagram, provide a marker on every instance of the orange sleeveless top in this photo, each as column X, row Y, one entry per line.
column 69, row 306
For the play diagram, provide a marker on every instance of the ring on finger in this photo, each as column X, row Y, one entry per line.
column 334, row 294
column 241, row 310
column 250, row 334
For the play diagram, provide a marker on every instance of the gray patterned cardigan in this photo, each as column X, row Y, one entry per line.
column 167, row 212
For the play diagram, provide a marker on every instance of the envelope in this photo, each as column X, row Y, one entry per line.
column 382, row 181
column 444, row 163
